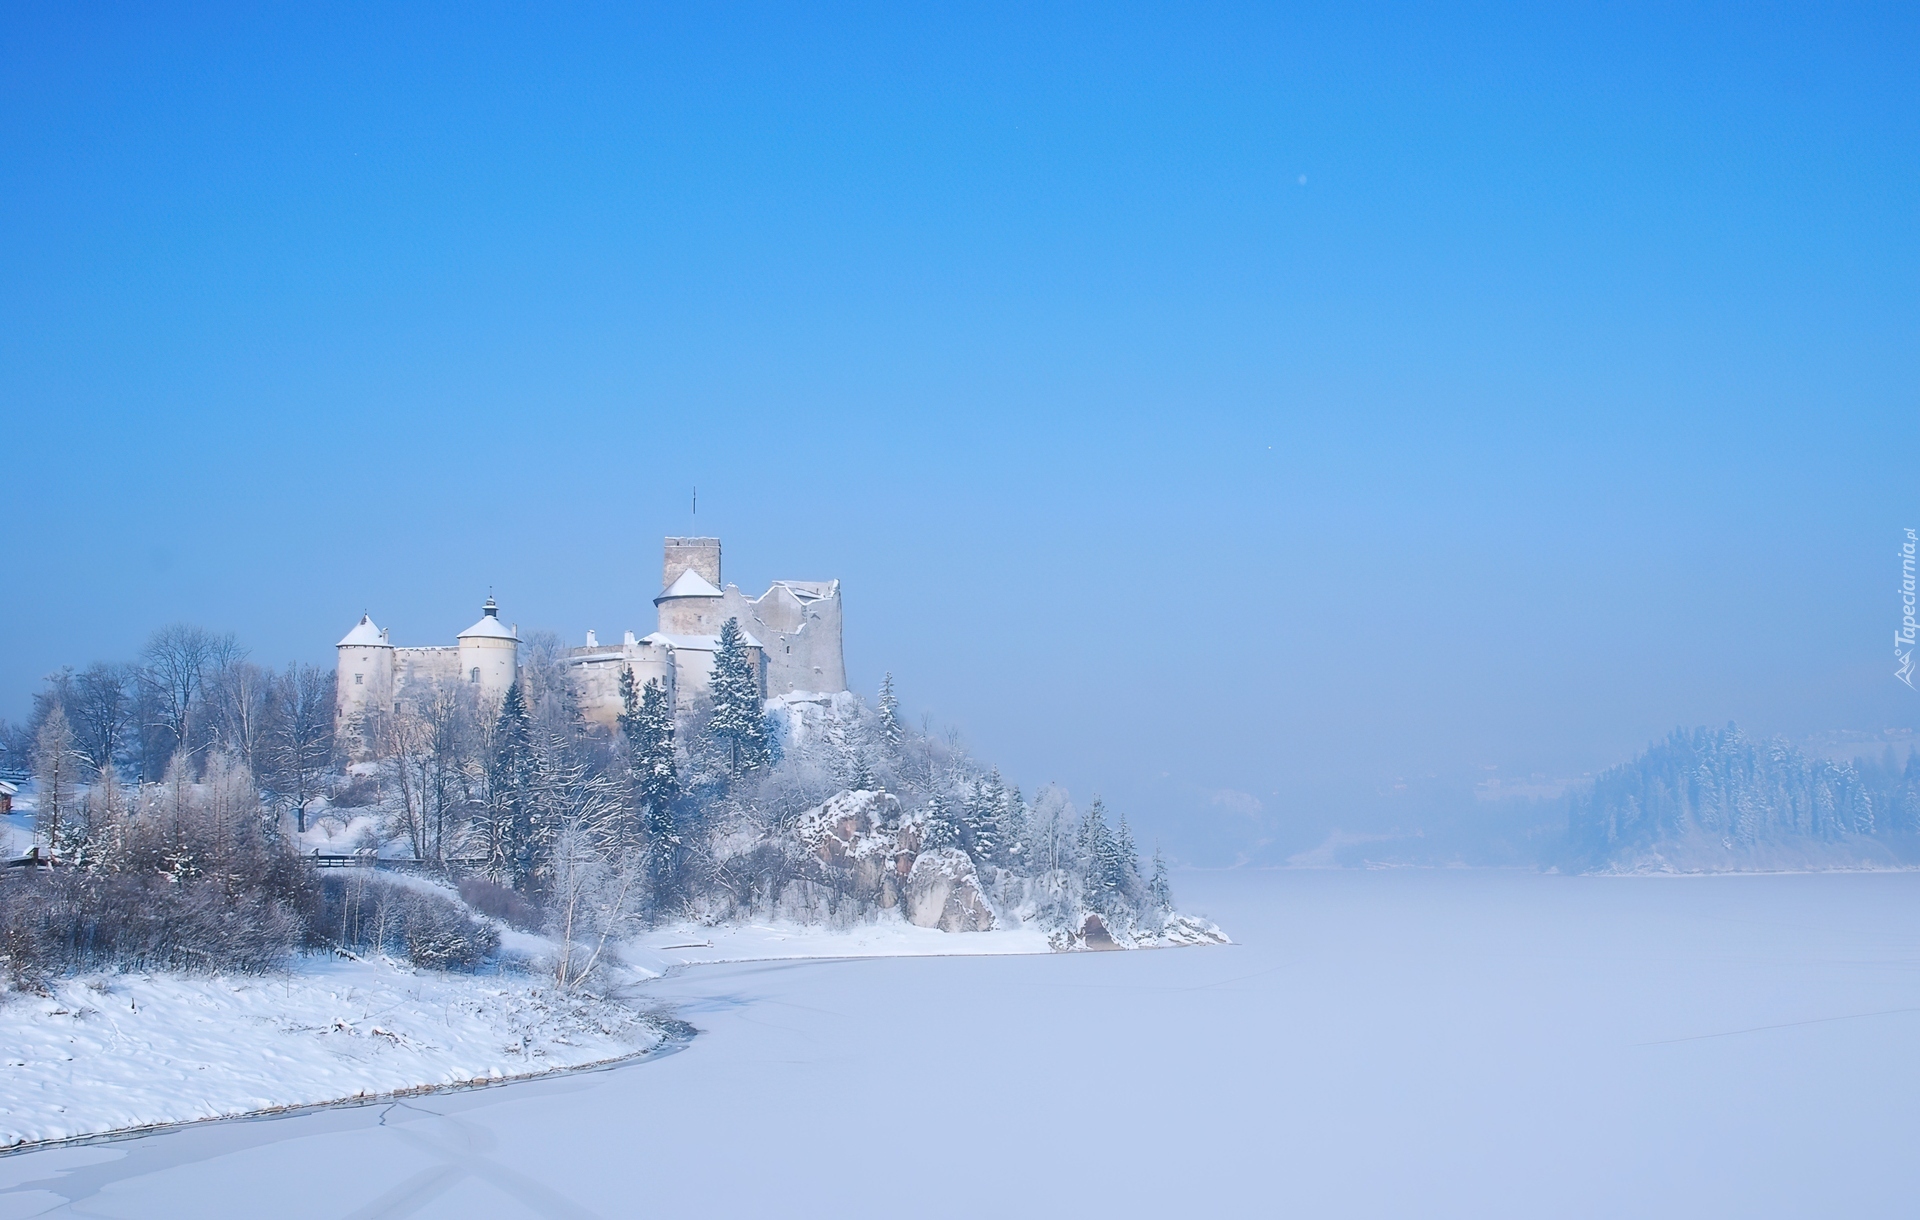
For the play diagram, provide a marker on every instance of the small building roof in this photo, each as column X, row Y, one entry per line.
column 689, row 584
column 7, row 789
column 365, row 635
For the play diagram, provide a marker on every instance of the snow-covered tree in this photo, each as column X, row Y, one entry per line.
column 890, row 731
column 55, row 767
column 512, row 852
column 1160, row 888
column 647, row 722
column 941, row 830
column 1108, row 878
column 739, row 716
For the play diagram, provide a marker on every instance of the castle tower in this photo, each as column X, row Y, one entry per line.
column 490, row 652
column 700, row 555
column 364, row 672
column 690, row 606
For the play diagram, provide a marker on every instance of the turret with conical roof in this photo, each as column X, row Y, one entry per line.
column 490, row 652
column 363, row 673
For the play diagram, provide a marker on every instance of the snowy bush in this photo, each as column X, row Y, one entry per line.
column 59, row 921
column 498, row 902
column 364, row 912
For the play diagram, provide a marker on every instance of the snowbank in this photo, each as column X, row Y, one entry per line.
column 109, row 1052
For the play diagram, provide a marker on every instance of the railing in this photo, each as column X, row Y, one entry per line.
column 366, row 859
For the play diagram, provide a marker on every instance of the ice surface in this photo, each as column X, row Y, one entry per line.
column 1445, row 1043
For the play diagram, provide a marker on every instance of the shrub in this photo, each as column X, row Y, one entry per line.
column 364, row 912
column 499, row 902
column 54, row 921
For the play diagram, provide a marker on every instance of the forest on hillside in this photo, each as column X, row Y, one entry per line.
column 1710, row 799
column 182, row 798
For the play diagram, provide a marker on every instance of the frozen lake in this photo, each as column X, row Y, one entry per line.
column 1378, row 1044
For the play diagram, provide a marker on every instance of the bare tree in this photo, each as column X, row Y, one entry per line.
column 100, row 707
column 595, row 895
column 54, row 764
column 177, row 659
column 300, row 735
column 239, row 694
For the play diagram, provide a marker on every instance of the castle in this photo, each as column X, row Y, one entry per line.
column 792, row 633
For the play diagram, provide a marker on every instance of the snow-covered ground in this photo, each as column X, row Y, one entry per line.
column 1397, row 1043
column 112, row 1051
column 109, row 1052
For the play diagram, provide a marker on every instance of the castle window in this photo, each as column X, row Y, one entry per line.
column 475, row 675
column 356, row 680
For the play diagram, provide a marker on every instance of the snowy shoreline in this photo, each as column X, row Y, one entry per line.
column 114, row 1055
column 106, row 1054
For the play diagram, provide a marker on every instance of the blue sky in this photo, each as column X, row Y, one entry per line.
column 1239, row 411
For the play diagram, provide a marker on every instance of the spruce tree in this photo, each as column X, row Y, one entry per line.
column 629, row 705
column 983, row 828
column 511, row 781
column 861, row 779
column 739, row 717
column 1103, row 874
column 940, row 831
column 1015, row 828
column 659, row 782
column 1129, row 856
column 889, row 714
column 1160, row 889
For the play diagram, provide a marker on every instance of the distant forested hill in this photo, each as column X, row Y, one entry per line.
column 1715, row 799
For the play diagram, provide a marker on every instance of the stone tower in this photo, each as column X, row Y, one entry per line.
column 490, row 653
column 364, row 672
column 701, row 555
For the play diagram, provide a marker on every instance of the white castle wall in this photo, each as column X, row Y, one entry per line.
column 363, row 680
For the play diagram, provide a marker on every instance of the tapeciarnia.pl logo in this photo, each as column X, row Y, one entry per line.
column 1903, row 638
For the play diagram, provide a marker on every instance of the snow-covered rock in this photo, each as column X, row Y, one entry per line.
column 943, row 891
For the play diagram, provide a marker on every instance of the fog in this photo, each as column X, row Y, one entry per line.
column 1276, row 427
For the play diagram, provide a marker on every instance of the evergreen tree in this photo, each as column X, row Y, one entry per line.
column 646, row 722
column 1129, row 856
column 659, row 771
column 1160, row 889
column 629, row 705
column 982, row 818
column 512, row 776
column 1103, row 872
column 861, row 779
column 739, row 716
column 659, row 783
column 1015, row 827
column 889, row 714
column 940, row 831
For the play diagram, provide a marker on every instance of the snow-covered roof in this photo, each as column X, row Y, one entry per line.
column 490, row 628
column 697, row 643
column 689, row 584
column 7, row 789
column 807, row 590
column 364, row 634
